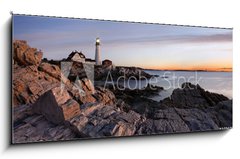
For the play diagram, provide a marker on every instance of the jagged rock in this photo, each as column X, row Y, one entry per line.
column 51, row 70
column 136, row 99
column 21, row 112
column 197, row 119
column 76, row 70
column 178, row 120
column 87, row 86
column 135, row 72
column 163, row 121
column 56, row 105
column 122, row 105
column 66, row 105
column 147, row 91
column 107, row 120
column 222, row 114
column 25, row 55
column 31, row 81
column 83, row 91
column 105, row 96
column 29, row 84
column 194, row 96
column 153, row 88
column 35, row 128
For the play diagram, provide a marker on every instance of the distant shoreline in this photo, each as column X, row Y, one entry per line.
column 185, row 70
column 180, row 70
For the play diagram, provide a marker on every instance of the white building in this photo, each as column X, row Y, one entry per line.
column 77, row 56
column 97, row 52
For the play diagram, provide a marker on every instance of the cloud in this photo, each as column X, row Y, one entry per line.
column 174, row 39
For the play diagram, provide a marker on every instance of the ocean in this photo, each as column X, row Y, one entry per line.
column 217, row 82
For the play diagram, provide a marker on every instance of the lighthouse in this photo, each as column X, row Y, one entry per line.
column 97, row 52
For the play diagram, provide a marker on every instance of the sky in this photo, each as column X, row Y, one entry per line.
column 150, row 46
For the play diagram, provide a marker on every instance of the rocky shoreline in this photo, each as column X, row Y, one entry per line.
column 45, row 111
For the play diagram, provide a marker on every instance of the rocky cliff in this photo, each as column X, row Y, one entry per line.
column 44, row 110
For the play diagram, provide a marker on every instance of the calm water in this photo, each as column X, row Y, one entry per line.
column 218, row 82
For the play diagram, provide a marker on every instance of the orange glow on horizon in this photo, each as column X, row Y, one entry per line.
column 216, row 68
column 220, row 65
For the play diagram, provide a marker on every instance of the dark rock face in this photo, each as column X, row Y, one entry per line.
column 50, row 106
column 163, row 121
column 195, row 96
column 178, row 120
column 147, row 91
column 222, row 114
column 136, row 99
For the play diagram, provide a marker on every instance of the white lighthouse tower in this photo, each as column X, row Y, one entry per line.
column 97, row 52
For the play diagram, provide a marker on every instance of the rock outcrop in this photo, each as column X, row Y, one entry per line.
column 25, row 55
column 51, row 70
column 194, row 96
column 136, row 72
column 29, row 84
column 107, row 72
column 56, row 105
column 36, row 128
column 105, row 96
column 104, row 120
column 32, row 81
column 51, row 105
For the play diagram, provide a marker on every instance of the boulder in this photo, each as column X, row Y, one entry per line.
column 194, row 96
column 56, row 105
column 25, row 55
